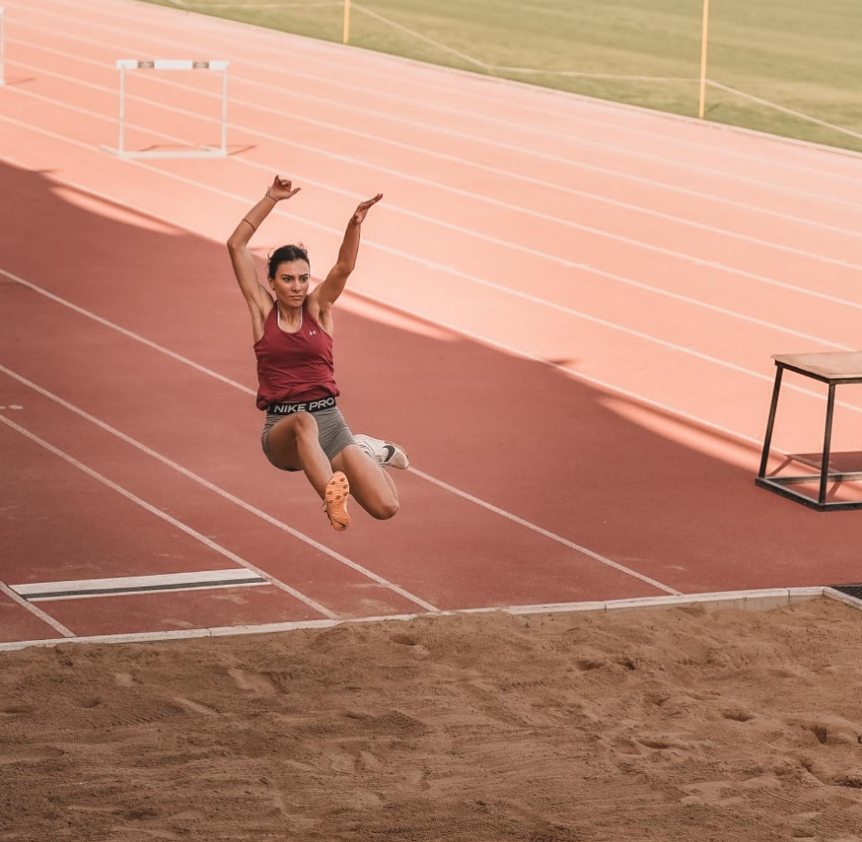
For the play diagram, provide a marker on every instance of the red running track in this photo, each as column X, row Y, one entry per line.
column 564, row 308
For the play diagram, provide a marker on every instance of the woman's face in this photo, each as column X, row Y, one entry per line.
column 291, row 282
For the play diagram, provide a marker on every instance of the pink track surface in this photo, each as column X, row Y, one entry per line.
column 564, row 309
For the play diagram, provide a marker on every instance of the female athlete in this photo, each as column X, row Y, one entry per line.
column 292, row 327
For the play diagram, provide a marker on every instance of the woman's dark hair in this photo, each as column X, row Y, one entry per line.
column 285, row 254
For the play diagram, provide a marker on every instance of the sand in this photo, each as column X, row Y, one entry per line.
column 651, row 725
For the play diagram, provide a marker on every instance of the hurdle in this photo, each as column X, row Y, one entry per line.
column 2, row 44
column 200, row 151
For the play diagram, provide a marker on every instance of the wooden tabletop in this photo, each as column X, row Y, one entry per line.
column 836, row 365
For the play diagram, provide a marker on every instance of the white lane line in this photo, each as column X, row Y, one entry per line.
column 455, row 272
column 509, row 174
column 222, row 493
column 386, row 75
column 124, row 585
column 734, row 600
column 431, row 127
column 571, row 544
column 207, row 542
column 509, row 244
column 33, row 609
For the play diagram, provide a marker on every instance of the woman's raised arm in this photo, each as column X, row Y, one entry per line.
column 237, row 244
column 333, row 286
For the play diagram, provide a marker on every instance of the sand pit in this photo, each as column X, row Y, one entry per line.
column 660, row 725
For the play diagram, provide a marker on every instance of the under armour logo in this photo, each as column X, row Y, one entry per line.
column 312, row 333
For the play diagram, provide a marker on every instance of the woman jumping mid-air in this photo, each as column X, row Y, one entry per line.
column 304, row 429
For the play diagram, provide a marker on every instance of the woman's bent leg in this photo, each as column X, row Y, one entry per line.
column 369, row 484
column 293, row 442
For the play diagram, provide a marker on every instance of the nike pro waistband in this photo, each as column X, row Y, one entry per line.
column 302, row 406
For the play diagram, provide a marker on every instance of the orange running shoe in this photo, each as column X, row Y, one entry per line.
column 335, row 501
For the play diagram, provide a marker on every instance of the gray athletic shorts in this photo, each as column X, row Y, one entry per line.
column 333, row 433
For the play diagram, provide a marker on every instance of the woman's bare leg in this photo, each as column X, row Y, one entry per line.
column 293, row 442
column 369, row 484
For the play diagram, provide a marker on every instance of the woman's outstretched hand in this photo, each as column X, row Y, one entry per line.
column 359, row 215
column 281, row 188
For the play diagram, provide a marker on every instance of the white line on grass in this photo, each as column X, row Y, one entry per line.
column 412, row 32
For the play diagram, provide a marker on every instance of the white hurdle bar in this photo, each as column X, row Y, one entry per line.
column 2, row 45
column 125, row 64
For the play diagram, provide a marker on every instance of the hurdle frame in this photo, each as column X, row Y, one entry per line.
column 200, row 151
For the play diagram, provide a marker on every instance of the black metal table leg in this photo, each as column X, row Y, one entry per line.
column 769, row 425
column 827, row 442
column 830, row 368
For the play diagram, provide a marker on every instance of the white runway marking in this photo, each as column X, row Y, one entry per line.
column 82, row 588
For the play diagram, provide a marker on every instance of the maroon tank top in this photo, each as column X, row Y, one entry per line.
column 294, row 366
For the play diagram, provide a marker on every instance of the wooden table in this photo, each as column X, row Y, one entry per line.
column 832, row 368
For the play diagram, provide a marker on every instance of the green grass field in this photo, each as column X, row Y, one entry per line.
column 801, row 54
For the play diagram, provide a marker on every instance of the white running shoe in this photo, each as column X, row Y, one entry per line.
column 387, row 454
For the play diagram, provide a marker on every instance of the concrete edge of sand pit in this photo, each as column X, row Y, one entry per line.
column 750, row 600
